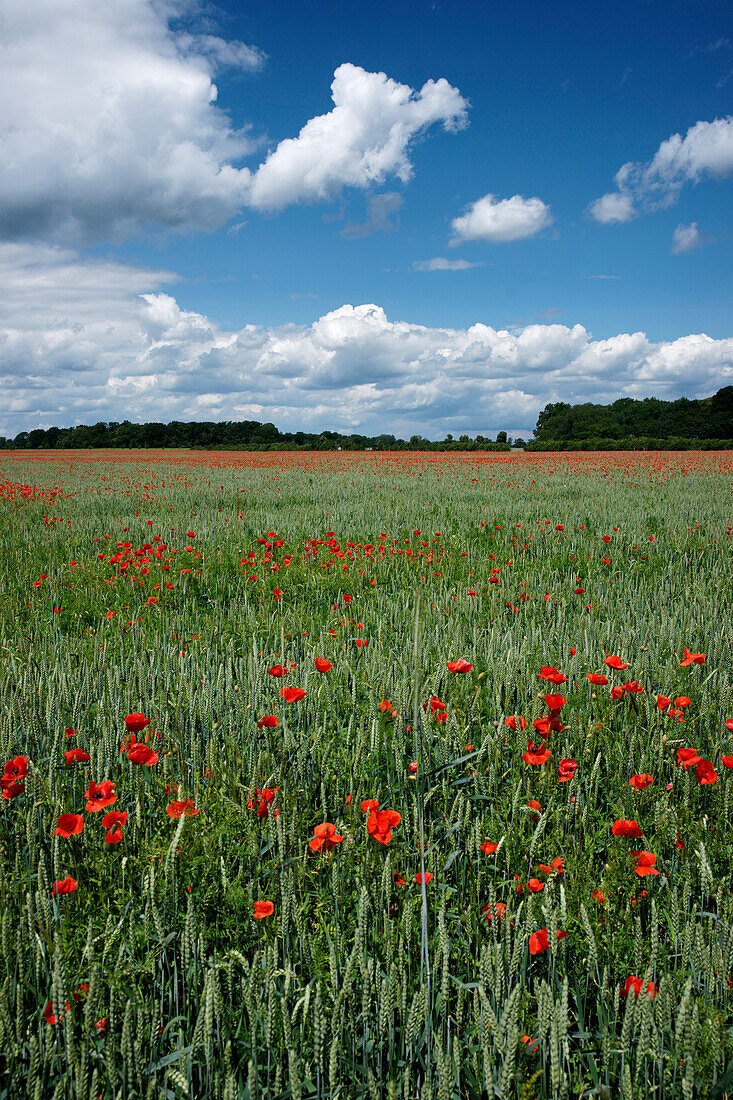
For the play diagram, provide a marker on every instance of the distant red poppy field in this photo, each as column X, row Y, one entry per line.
column 333, row 775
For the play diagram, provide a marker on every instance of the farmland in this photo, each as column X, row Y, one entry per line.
column 308, row 791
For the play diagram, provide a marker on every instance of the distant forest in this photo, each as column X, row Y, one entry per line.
column 647, row 424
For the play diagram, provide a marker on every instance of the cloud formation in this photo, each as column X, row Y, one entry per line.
column 497, row 220
column 364, row 140
column 688, row 237
column 705, row 150
column 439, row 263
column 380, row 210
column 89, row 340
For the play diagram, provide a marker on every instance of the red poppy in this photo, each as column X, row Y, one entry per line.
column 399, row 880
column 262, row 909
column 538, row 941
column 566, row 770
column 622, row 827
column 537, row 755
column 551, row 674
column 70, row 731
column 633, row 687
column 113, row 823
column 596, row 678
column 292, row 695
column 645, row 863
column 555, row 702
column 385, row 706
column 598, row 896
column 663, row 702
column 13, row 778
column 682, row 701
column 76, row 756
column 49, row 1016
column 324, row 837
column 705, row 773
column 729, row 724
column 64, row 886
column 458, row 666
column 679, row 843
column 534, row 885
column 266, row 796
column 182, row 809
column 380, row 824
column 617, row 692
column 269, row 721
column 692, row 658
column 635, row 984
column 322, row 664
column 276, row 670
column 556, row 865
column 534, row 805
column 489, row 847
column 615, row 663
column 434, row 703
column 412, row 768
column 499, row 909
column 687, row 758
column 69, row 825
column 142, row 754
column 100, row 795
column 369, row 804
column 136, row 722
column 427, row 877
column 639, row 782
column 515, row 721
column 727, row 761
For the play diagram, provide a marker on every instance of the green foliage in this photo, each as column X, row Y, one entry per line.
column 359, row 985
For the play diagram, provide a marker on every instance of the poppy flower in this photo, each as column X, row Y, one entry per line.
column 679, row 843
column 499, row 909
column 537, row 755
column 380, row 824
column 266, row 796
column 142, row 754
column 100, row 795
column 551, row 674
column 534, row 885
column 556, row 865
column 515, row 721
column 534, row 805
column 705, row 773
column 399, row 880
column 76, row 756
column 729, row 724
column 489, row 847
column 615, row 663
column 182, row 809
column 385, row 706
column 635, row 984
column 69, row 825
column 538, row 941
column 434, row 703
column 269, row 721
column 13, row 778
column 692, row 658
column 427, row 877
column 276, row 670
column 322, row 664
column 262, row 909
column 324, row 837
column 596, row 678
column 727, row 761
column 639, row 782
column 369, row 804
column 566, row 770
column 617, row 692
column 682, row 701
column 49, row 1016
column 70, row 731
column 136, row 722
column 598, row 896
column 687, row 758
column 458, row 666
column 645, row 863
column 663, row 701
column 622, row 827
column 291, row 694
column 412, row 768
column 113, row 823
column 633, row 687
column 64, row 886
column 555, row 701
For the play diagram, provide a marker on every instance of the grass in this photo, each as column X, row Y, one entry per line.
column 363, row 982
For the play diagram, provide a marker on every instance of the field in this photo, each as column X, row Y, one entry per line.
column 309, row 793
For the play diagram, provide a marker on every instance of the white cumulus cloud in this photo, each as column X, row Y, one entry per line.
column 440, row 263
column 686, row 238
column 498, row 220
column 362, row 141
column 705, row 150
column 89, row 340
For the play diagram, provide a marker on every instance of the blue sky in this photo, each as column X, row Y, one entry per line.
column 192, row 228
